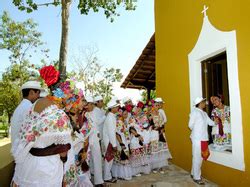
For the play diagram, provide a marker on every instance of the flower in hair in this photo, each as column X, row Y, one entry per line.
column 58, row 93
column 49, row 74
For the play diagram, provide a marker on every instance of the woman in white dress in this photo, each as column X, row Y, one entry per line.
column 45, row 127
column 121, row 167
column 138, row 158
column 159, row 149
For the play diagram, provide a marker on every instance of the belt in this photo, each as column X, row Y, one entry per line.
column 51, row 150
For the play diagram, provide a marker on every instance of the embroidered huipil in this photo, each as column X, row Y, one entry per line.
column 41, row 130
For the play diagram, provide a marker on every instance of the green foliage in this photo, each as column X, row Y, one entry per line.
column 109, row 7
column 9, row 97
column 144, row 95
column 19, row 38
column 22, row 40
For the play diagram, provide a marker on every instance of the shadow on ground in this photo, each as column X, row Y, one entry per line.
column 174, row 176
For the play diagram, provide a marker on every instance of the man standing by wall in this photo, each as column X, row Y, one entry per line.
column 198, row 123
column 31, row 92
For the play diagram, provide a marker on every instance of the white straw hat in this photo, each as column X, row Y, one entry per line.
column 89, row 99
column 159, row 100
column 98, row 98
column 44, row 93
column 32, row 85
column 198, row 100
column 112, row 103
column 125, row 99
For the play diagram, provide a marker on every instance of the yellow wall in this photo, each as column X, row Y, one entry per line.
column 178, row 24
column 6, row 164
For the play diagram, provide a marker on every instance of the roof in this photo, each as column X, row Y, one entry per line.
column 142, row 75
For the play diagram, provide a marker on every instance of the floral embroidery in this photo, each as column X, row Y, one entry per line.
column 71, row 175
column 51, row 119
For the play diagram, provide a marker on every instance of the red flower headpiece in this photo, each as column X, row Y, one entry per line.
column 49, row 74
column 140, row 104
column 129, row 108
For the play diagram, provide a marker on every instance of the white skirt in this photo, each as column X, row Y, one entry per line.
column 40, row 171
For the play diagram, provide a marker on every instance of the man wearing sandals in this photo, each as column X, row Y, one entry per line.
column 198, row 122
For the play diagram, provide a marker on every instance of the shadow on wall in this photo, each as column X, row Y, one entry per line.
column 6, row 163
column 6, row 174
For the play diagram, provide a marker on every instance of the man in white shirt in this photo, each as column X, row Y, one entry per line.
column 198, row 123
column 31, row 92
column 161, row 111
column 99, row 114
column 109, row 139
column 94, row 145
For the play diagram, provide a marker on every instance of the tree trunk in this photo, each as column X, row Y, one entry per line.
column 64, row 38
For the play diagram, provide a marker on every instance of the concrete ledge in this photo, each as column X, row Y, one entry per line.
column 6, row 163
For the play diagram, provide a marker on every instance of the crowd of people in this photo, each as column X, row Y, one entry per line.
column 66, row 138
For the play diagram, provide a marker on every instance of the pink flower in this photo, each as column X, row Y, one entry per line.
column 30, row 137
column 60, row 123
column 83, row 131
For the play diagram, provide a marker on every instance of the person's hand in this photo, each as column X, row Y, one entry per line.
column 14, row 184
column 216, row 120
column 115, row 148
column 64, row 154
column 140, row 138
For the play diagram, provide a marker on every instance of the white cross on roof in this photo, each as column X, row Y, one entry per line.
column 204, row 11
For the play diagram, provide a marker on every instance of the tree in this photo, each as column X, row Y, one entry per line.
column 97, row 79
column 22, row 40
column 109, row 7
column 144, row 95
column 9, row 98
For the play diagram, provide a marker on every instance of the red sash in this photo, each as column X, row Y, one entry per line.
column 204, row 150
column 109, row 155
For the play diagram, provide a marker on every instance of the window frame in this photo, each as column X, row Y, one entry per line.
column 210, row 43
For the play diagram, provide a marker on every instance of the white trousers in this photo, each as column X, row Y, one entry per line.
column 96, row 157
column 196, row 160
column 107, row 169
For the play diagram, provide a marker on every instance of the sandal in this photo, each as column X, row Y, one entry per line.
column 200, row 182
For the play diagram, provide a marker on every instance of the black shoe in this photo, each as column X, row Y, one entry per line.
column 200, row 182
column 113, row 180
column 99, row 185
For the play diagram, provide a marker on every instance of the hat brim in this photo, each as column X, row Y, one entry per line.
column 204, row 99
column 114, row 106
column 33, row 87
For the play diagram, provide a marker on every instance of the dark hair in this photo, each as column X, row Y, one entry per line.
column 55, row 85
column 123, row 108
column 26, row 91
column 197, row 105
column 217, row 96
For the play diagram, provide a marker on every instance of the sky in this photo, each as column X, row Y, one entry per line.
column 119, row 43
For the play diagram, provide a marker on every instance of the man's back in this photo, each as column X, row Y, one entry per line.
column 18, row 118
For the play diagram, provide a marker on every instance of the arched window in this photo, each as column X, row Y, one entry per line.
column 213, row 69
